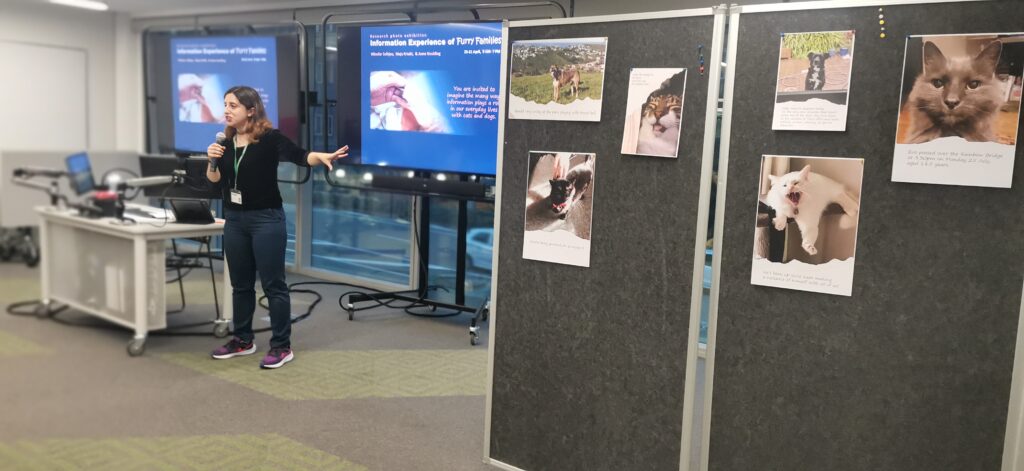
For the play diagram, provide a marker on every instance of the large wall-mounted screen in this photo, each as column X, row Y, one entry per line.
column 421, row 96
column 204, row 68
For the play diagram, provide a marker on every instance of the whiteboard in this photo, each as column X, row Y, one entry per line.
column 45, row 98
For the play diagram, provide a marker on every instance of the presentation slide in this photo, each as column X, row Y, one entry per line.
column 429, row 96
column 203, row 69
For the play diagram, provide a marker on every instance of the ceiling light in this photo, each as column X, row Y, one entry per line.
column 87, row 4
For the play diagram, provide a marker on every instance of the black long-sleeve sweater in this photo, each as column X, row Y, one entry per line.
column 257, row 172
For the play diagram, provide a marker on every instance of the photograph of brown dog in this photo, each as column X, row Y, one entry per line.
column 565, row 77
column 557, row 79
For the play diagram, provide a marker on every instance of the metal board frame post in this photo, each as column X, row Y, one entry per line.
column 1013, row 459
column 704, row 204
column 492, row 308
column 716, row 256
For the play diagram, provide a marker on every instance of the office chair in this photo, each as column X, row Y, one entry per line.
column 178, row 261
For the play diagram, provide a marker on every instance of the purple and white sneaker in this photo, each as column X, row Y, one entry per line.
column 277, row 357
column 236, row 347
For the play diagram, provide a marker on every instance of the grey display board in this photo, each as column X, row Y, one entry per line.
column 913, row 371
column 589, row 363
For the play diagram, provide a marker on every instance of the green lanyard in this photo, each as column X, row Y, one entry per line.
column 238, row 160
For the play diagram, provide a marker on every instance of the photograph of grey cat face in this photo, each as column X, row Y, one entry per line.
column 807, row 209
column 965, row 86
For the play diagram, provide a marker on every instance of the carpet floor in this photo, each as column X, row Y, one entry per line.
column 385, row 391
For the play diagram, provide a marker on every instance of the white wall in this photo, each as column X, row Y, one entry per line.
column 51, row 25
column 53, row 87
column 129, row 112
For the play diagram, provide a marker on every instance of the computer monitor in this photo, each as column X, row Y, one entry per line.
column 80, row 173
column 195, row 187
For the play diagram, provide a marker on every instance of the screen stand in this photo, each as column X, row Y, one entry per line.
column 418, row 297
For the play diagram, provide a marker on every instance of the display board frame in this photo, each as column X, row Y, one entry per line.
column 698, row 197
column 726, row 418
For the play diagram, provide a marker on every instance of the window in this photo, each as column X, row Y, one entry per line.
column 289, row 194
column 479, row 247
column 360, row 233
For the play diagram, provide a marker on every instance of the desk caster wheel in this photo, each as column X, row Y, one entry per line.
column 473, row 339
column 220, row 331
column 351, row 314
column 136, row 347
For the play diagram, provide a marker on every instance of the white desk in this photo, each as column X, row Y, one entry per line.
column 115, row 271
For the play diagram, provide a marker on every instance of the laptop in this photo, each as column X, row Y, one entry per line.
column 191, row 211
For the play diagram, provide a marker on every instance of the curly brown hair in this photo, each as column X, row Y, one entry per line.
column 258, row 124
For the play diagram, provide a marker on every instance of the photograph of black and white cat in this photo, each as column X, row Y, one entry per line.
column 961, row 86
column 560, row 192
column 654, row 109
column 808, row 209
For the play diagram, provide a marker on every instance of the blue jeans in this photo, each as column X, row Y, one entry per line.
column 255, row 241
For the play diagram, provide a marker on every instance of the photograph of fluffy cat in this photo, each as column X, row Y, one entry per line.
column 660, row 118
column 955, row 96
column 803, row 196
column 566, row 191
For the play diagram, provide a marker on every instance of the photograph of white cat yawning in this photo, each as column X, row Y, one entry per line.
column 959, row 110
column 805, row 234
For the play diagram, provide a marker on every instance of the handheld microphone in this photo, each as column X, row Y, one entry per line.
column 28, row 172
column 221, row 138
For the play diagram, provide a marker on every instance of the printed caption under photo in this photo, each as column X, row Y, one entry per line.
column 812, row 115
column 559, row 245
column 802, row 280
column 942, row 159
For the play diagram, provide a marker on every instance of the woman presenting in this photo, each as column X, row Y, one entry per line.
column 254, row 231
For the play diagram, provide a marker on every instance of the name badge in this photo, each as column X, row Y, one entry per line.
column 236, row 196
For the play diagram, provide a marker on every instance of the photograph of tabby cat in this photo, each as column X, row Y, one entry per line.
column 808, row 209
column 654, row 109
column 559, row 192
column 961, row 87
